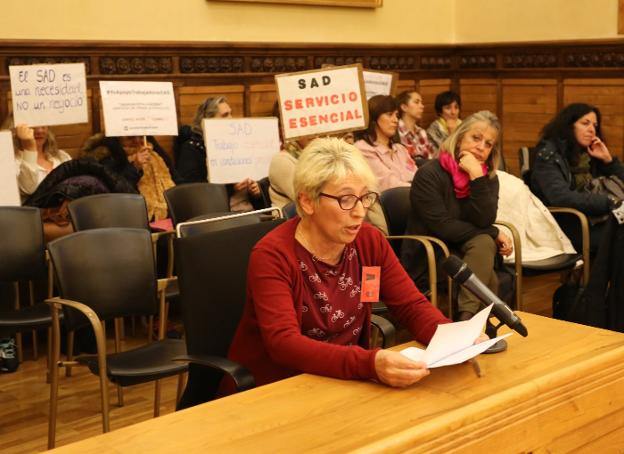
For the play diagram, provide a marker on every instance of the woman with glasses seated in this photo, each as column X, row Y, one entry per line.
column 308, row 309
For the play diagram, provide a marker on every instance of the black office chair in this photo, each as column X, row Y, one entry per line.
column 208, row 223
column 23, row 258
column 212, row 269
column 396, row 207
column 289, row 210
column 187, row 201
column 122, row 210
column 103, row 274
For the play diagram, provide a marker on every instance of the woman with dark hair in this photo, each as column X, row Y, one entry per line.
column 190, row 153
column 414, row 137
column 141, row 162
column 455, row 198
column 381, row 146
column 569, row 154
column 447, row 106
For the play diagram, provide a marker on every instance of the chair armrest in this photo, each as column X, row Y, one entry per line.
column 585, row 236
column 98, row 327
column 165, row 282
column 386, row 328
column 431, row 263
column 517, row 259
column 243, row 379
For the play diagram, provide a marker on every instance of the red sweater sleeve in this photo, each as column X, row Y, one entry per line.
column 274, row 286
column 403, row 299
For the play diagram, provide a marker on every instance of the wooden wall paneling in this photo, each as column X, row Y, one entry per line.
column 192, row 96
column 608, row 96
column 478, row 94
column 429, row 88
column 528, row 104
column 405, row 84
column 262, row 97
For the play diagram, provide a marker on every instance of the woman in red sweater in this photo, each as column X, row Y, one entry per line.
column 305, row 311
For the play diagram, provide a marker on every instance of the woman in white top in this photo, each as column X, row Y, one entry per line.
column 36, row 155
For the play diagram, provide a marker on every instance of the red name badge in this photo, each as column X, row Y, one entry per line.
column 371, row 277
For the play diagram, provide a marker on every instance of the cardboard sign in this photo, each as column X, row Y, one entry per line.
column 45, row 95
column 379, row 83
column 239, row 148
column 322, row 101
column 139, row 108
column 9, row 192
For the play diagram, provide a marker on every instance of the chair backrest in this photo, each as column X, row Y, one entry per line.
column 290, row 210
column 396, row 207
column 109, row 210
column 212, row 273
column 22, row 247
column 526, row 157
column 110, row 270
column 187, row 201
column 208, row 223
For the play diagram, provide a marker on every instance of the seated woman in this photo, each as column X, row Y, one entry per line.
column 304, row 309
column 447, row 107
column 190, row 156
column 570, row 153
column 413, row 137
column 282, row 170
column 455, row 198
column 379, row 143
column 36, row 155
column 141, row 161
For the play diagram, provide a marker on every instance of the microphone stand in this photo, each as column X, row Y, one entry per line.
column 491, row 331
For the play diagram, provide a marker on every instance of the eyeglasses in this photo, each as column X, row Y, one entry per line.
column 348, row 201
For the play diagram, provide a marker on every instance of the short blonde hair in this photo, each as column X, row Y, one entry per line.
column 451, row 144
column 326, row 160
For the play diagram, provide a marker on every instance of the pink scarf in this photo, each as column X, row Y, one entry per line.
column 461, row 180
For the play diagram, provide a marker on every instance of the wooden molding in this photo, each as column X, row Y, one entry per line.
column 621, row 17
column 342, row 3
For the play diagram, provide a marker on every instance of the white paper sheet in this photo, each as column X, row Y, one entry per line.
column 453, row 343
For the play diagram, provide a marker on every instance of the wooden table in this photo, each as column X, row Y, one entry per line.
column 561, row 389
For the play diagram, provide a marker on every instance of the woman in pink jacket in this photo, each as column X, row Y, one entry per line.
column 381, row 146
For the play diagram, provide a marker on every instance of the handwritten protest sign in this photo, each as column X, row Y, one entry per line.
column 239, row 148
column 379, row 83
column 45, row 95
column 9, row 194
column 322, row 101
column 138, row 108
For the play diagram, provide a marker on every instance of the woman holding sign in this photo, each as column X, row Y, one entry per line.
column 308, row 306
column 36, row 155
column 191, row 157
column 381, row 146
column 142, row 162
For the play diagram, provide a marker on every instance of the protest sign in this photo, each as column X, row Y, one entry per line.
column 322, row 101
column 138, row 108
column 239, row 148
column 9, row 194
column 379, row 83
column 46, row 95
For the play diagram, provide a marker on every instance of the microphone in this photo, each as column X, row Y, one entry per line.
column 459, row 272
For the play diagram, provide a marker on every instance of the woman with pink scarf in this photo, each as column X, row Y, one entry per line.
column 455, row 198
